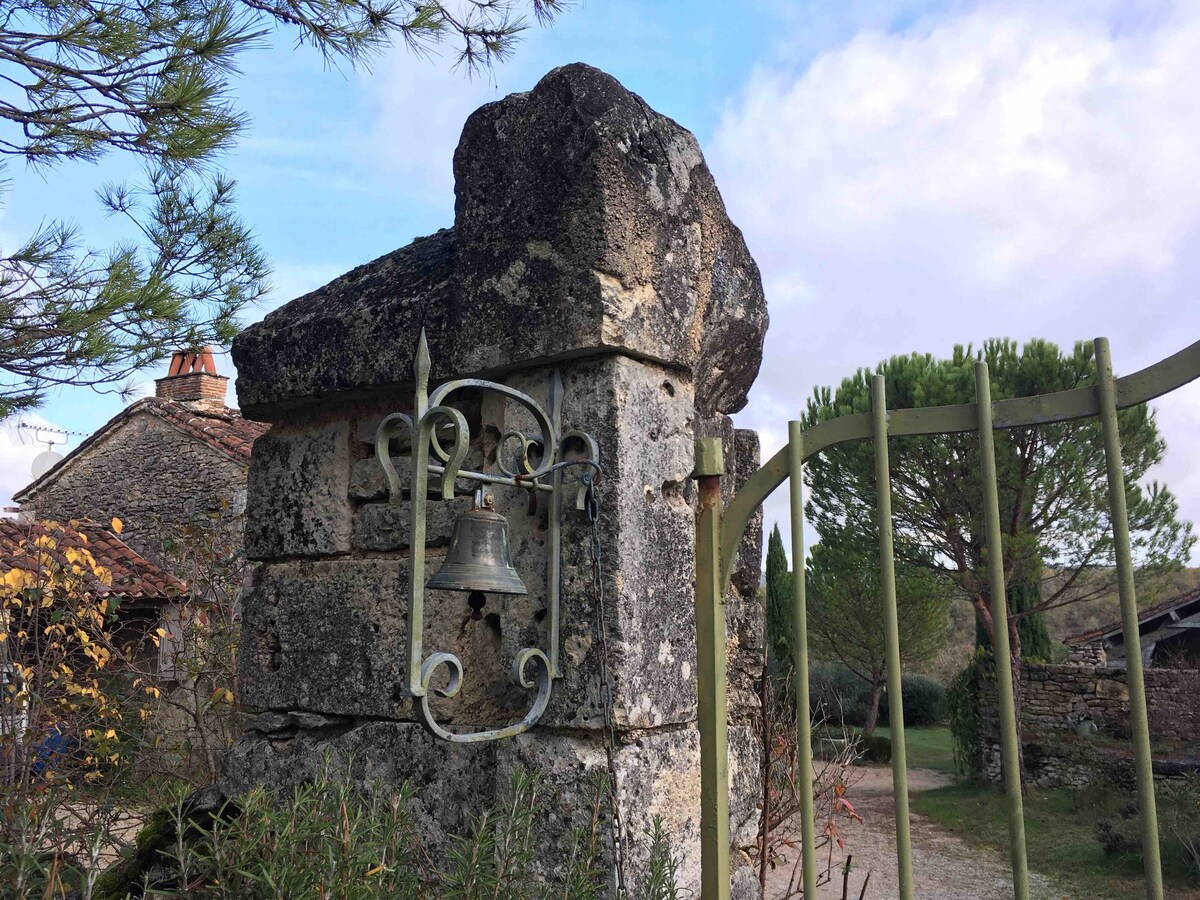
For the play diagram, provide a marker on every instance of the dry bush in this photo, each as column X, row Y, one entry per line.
column 835, row 750
column 194, row 673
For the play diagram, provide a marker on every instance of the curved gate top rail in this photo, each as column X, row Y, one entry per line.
column 719, row 531
column 1078, row 403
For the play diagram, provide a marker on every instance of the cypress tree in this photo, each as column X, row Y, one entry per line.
column 778, row 585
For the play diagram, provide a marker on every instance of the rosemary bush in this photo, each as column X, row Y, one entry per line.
column 1179, row 811
column 329, row 840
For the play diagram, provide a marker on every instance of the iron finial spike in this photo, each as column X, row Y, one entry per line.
column 421, row 364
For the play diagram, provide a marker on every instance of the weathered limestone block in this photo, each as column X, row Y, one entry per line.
column 454, row 783
column 658, row 775
column 618, row 210
column 744, row 883
column 384, row 526
column 297, row 503
column 331, row 638
column 745, row 784
column 367, row 481
column 584, row 222
column 745, row 615
column 646, row 531
column 324, row 636
column 747, row 457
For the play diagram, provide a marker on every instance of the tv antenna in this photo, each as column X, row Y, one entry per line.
column 48, row 436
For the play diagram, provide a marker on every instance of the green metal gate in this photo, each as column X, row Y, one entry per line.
column 719, row 532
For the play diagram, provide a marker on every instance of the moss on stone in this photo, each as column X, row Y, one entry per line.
column 125, row 877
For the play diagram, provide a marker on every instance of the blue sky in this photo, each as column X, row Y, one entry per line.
column 908, row 175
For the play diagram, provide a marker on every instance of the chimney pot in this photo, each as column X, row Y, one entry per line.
column 192, row 377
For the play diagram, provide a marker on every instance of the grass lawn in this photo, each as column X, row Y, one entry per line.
column 928, row 748
column 1060, row 838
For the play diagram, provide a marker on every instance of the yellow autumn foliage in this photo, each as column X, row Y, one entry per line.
column 56, row 638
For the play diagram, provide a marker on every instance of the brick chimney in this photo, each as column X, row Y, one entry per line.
column 193, row 377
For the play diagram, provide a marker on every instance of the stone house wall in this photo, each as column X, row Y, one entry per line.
column 1055, row 698
column 144, row 471
column 1087, row 655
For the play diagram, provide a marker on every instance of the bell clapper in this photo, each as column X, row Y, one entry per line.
column 476, row 600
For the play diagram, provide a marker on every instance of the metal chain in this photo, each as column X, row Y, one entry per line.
column 606, row 699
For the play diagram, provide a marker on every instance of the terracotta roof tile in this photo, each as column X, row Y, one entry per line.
column 225, row 430
column 133, row 576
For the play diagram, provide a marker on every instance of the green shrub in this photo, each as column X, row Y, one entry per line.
column 924, row 702
column 962, row 711
column 1179, row 811
column 837, row 694
column 1118, row 829
column 1119, row 833
column 661, row 869
column 1098, row 799
column 843, row 697
column 875, row 748
column 324, row 834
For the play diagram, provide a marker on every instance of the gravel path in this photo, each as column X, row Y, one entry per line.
column 944, row 867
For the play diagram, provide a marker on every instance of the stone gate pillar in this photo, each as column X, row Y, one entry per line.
column 590, row 238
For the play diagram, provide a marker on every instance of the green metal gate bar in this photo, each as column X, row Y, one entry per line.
column 1009, row 750
column 1136, row 684
column 711, row 684
column 891, row 627
column 804, row 767
column 719, row 532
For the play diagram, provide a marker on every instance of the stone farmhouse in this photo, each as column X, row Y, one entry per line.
column 158, row 463
column 1071, row 713
column 1169, row 632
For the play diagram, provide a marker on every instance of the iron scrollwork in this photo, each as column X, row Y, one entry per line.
column 440, row 438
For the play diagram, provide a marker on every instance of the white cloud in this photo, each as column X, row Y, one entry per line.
column 1178, row 417
column 1018, row 143
column 1013, row 170
column 421, row 105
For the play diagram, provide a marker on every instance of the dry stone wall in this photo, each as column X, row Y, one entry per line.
column 1057, row 699
column 657, row 333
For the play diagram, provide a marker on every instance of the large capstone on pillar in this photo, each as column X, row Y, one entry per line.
column 589, row 238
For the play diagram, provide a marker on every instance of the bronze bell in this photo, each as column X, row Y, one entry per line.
column 478, row 557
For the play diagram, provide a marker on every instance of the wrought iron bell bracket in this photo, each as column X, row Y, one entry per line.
column 439, row 438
